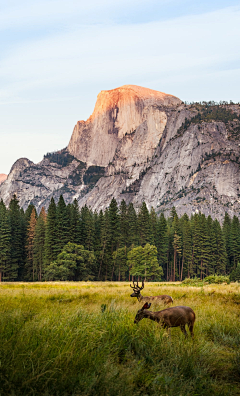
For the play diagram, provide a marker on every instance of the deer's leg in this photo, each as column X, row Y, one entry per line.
column 182, row 327
column 169, row 332
column 190, row 326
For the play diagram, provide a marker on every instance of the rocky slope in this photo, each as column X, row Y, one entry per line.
column 141, row 144
column 3, row 177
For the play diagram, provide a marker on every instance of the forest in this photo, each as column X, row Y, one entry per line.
column 117, row 244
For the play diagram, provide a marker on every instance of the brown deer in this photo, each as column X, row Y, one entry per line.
column 164, row 299
column 169, row 317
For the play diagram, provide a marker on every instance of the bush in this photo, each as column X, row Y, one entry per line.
column 217, row 279
column 192, row 282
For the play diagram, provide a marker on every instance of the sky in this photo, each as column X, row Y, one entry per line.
column 57, row 55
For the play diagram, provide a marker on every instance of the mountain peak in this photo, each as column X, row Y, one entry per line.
column 122, row 96
column 117, row 113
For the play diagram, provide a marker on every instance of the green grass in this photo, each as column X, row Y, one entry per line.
column 79, row 339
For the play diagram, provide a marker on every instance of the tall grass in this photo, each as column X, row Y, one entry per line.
column 80, row 339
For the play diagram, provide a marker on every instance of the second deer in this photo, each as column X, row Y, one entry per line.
column 163, row 299
column 170, row 317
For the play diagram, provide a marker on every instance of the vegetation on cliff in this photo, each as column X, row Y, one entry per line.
column 210, row 111
column 62, row 157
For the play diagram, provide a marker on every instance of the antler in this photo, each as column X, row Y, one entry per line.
column 136, row 287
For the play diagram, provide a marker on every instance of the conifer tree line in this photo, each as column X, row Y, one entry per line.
column 119, row 243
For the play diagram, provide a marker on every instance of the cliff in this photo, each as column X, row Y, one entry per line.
column 118, row 113
column 3, row 177
column 140, row 144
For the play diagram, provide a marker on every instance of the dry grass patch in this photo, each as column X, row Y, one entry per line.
column 67, row 338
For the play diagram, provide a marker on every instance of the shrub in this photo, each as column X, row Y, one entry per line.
column 192, row 282
column 217, row 279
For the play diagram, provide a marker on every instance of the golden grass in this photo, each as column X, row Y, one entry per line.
column 78, row 338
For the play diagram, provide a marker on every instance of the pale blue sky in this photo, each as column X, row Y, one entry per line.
column 56, row 56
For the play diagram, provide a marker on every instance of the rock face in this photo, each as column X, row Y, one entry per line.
column 141, row 144
column 119, row 113
column 3, row 177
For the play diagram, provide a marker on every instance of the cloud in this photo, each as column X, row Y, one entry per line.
column 19, row 14
column 87, row 54
column 195, row 57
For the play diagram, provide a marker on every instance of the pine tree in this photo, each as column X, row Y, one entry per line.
column 105, row 256
column 132, row 220
column 170, row 253
column 124, row 225
column 186, row 248
column 121, row 265
column 16, row 261
column 98, row 224
column 226, row 234
column 153, row 227
column 23, row 227
column 39, row 243
column 197, row 244
column 102, row 244
column 235, row 274
column 114, row 226
column 5, row 246
column 177, row 245
column 177, row 251
column 30, row 267
column 82, row 228
column 234, row 242
column 75, row 223
column 62, row 225
column 90, row 230
column 120, row 255
column 144, row 226
column 173, row 215
column 97, row 229
column 162, row 243
column 221, row 255
column 28, row 213
column 212, row 247
column 51, row 247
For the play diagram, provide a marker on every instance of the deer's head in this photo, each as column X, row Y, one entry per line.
column 140, row 312
column 136, row 289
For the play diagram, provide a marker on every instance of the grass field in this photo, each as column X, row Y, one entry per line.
column 79, row 339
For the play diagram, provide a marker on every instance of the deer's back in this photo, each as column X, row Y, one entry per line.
column 176, row 316
column 154, row 299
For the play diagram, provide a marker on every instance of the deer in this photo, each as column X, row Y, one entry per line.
column 155, row 299
column 169, row 317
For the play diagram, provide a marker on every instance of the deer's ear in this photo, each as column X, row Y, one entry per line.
column 146, row 306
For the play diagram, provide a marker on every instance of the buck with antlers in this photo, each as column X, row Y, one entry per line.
column 164, row 299
column 170, row 317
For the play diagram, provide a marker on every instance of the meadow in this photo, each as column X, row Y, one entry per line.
column 78, row 338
